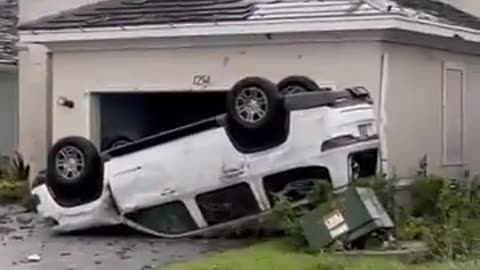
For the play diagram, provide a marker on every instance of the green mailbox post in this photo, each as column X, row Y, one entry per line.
column 358, row 213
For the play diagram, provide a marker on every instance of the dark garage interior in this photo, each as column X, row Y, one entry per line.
column 130, row 116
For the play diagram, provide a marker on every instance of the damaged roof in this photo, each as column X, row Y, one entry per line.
column 440, row 11
column 115, row 13
column 8, row 32
column 147, row 12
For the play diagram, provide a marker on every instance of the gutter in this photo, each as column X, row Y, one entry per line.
column 377, row 22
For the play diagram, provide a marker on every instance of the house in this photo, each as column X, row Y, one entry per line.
column 420, row 59
column 8, row 77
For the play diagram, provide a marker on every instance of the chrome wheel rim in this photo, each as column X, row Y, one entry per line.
column 251, row 105
column 70, row 162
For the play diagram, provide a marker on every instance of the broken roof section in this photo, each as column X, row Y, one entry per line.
column 430, row 10
column 438, row 11
column 118, row 13
column 8, row 32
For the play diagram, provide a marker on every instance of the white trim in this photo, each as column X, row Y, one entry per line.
column 208, row 29
column 378, row 22
column 88, row 116
column 445, row 67
column 220, row 41
column 143, row 89
column 93, row 119
column 49, row 99
column 382, row 113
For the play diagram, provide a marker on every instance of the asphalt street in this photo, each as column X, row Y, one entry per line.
column 26, row 243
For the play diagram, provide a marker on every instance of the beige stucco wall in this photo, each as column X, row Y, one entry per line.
column 414, row 108
column 33, row 106
column 75, row 73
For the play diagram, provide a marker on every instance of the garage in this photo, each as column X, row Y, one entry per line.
column 126, row 117
column 392, row 48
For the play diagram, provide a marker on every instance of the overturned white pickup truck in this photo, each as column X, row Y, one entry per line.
column 218, row 172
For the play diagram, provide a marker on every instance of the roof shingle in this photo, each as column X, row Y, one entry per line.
column 8, row 32
column 146, row 12
column 153, row 12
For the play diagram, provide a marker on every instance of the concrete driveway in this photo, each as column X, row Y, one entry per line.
column 23, row 235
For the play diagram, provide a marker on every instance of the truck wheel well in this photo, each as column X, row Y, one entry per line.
column 303, row 177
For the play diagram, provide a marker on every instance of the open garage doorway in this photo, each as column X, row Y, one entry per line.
column 125, row 117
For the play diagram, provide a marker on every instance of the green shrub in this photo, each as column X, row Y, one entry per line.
column 288, row 217
column 14, row 168
column 446, row 218
column 412, row 229
column 441, row 216
column 322, row 192
column 14, row 174
column 11, row 192
column 425, row 194
column 18, row 169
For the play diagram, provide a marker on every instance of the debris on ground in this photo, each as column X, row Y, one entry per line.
column 24, row 219
column 17, row 237
column 81, row 251
column 34, row 258
column 6, row 230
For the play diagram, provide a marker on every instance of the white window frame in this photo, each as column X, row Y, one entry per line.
column 453, row 66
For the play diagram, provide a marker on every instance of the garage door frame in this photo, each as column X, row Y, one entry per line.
column 92, row 103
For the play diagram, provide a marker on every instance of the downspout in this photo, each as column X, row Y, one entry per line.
column 49, row 95
column 382, row 115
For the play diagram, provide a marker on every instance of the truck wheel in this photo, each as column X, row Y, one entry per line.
column 297, row 84
column 75, row 169
column 253, row 102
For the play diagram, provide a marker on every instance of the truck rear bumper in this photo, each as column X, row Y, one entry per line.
column 98, row 213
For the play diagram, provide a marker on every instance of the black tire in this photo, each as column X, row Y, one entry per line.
column 297, row 84
column 267, row 90
column 84, row 185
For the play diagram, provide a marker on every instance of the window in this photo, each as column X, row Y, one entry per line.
column 168, row 218
column 228, row 204
column 453, row 115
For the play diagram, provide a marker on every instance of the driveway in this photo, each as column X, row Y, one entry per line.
column 23, row 235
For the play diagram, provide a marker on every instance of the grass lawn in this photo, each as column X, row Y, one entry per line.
column 277, row 255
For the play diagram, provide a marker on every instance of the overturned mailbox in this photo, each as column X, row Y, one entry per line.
column 357, row 214
column 219, row 172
